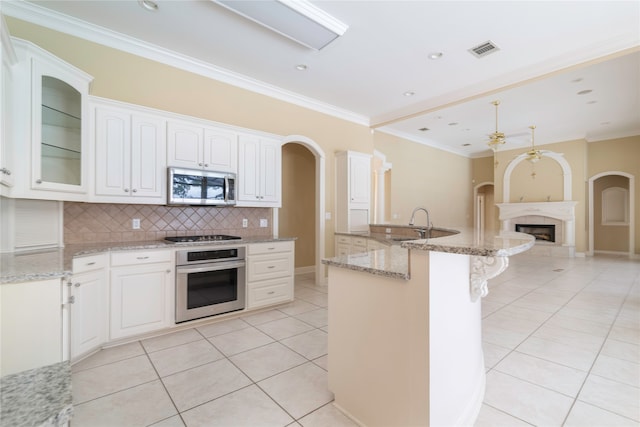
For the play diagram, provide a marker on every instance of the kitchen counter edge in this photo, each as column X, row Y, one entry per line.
column 30, row 266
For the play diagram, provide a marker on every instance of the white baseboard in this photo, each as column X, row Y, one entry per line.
column 305, row 270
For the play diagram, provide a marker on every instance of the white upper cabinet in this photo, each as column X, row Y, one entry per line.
column 54, row 118
column 353, row 191
column 130, row 156
column 193, row 146
column 259, row 171
column 9, row 59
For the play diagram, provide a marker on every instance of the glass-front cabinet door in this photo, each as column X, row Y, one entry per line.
column 59, row 127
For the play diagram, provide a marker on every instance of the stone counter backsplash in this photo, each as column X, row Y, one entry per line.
column 110, row 222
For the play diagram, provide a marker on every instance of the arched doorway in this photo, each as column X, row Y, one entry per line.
column 304, row 148
column 485, row 213
column 612, row 213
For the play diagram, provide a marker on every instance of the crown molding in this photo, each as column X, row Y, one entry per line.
column 56, row 21
column 428, row 143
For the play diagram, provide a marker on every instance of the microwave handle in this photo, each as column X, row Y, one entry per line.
column 226, row 189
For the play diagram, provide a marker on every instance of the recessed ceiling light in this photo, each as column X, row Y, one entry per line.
column 149, row 5
column 301, row 67
column 435, row 55
column 423, row 129
column 409, row 93
column 584, row 92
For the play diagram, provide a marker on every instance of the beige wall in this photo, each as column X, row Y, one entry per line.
column 619, row 155
column 427, row 177
column 297, row 215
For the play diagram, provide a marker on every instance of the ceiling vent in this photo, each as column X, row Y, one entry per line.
column 484, row 49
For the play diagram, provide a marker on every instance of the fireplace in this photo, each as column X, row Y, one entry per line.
column 542, row 232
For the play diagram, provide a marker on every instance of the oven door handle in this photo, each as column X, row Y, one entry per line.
column 210, row 267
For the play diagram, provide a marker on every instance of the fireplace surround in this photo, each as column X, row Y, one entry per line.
column 542, row 232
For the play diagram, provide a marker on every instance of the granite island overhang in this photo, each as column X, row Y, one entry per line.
column 405, row 343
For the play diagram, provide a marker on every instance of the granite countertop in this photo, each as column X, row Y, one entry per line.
column 37, row 397
column 29, row 266
column 394, row 260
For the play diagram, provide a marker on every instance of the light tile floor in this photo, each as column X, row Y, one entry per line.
column 561, row 343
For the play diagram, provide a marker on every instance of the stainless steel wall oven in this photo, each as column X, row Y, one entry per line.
column 209, row 281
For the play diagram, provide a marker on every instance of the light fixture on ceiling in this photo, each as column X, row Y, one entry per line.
column 299, row 20
column 301, row 67
column 533, row 155
column 435, row 55
column 496, row 139
column 409, row 93
column 149, row 5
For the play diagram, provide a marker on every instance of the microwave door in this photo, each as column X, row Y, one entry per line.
column 215, row 190
column 188, row 188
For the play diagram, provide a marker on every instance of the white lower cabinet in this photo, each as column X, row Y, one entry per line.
column 142, row 292
column 89, row 311
column 270, row 268
column 31, row 332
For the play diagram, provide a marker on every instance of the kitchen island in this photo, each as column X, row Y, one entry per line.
column 405, row 333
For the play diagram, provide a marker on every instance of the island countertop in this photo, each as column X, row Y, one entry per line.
column 394, row 261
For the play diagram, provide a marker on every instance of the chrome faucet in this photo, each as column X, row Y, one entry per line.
column 413, row 217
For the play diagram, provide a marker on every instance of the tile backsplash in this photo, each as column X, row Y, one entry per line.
column 102, row 222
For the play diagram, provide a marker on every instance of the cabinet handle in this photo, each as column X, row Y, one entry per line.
column 38, row 181
column 77, row 285
column 126, row 190
column 206, row 165
column 168, row 271
column 90, row 263
column 142, row 257
column 270, row 249
column 271, row 292
column 200, row 164
column 271, row 267
column 134, row 190
column 72, row 299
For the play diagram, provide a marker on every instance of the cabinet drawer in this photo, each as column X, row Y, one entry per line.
column 271, row 247
column 89, row 263
column 270, row 292
column 344, row 240
column 141, row 257
column 269, row 267
column 359, row 241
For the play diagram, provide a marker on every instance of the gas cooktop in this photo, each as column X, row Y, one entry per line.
column 206, row 238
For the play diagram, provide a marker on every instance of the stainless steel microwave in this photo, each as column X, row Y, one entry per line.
column 200, row 187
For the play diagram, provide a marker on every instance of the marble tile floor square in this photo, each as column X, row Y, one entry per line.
column 561, row 347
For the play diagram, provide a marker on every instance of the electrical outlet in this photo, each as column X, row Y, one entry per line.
column 135, row 223
column 264, row 222
column 245, row 222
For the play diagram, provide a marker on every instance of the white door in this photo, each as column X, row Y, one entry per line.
column 184, row 145
column 270, row 171
column 139, row 299
column 148, row 158
column 220, row 150
column 88, row 314
column 249, row 169
column 113, row 152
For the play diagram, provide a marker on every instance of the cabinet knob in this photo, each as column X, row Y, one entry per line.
column 72, row 299
column 135, row 190
column 206, row 165
column 38, row 181
column 77, row 285
column 168, row 271
column 200, row 164
column 126, row 190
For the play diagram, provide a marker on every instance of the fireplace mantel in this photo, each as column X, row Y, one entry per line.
column 563, row 211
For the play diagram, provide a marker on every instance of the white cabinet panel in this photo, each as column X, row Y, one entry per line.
column 270, row 268
column 353, row 191
column 130, row 156
column 193, row 146
column 31, row 331
column 142, row 292
column 259, row 172
column 88, row 312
